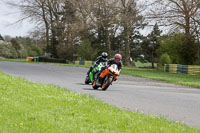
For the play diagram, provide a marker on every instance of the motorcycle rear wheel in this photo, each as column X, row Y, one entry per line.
column 87, row 80
column 95, row 87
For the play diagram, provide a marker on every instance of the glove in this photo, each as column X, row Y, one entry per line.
column 95, row 65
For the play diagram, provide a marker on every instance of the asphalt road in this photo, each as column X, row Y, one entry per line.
column 174, row 102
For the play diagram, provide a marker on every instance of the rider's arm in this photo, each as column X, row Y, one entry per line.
column 97, row 61
column 120, row 67
column 110, row 62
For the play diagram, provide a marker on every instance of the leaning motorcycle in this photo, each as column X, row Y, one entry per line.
column 109, row 75
column 93, row 74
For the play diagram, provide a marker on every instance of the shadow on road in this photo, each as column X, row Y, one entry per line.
column 90, row 89
column 82, row 84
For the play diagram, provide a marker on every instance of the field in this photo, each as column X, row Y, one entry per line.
column 31, row 107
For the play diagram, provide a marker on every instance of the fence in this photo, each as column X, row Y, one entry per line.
column 35, row 59
column 45, row 59
column 185, row 69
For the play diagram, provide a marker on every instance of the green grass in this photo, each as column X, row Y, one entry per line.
column 37, row 108
column 160, row 75
column 140, row 64
column 13, row 60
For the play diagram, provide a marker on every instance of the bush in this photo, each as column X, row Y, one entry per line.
column 7, row 50
column 197, row 62
column 164, row 59
column 65, row 52
column 171, row 45
column 181, row 49
column 14, row 49
column 34, row 50
column 188, row 51
column 86, row 51
column 16, row 44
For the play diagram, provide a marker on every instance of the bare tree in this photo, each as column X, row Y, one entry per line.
column 130, row 19
column 101, row 14
column 181, row 15
column 36, row 12
column 55, row 15
column 66, row 20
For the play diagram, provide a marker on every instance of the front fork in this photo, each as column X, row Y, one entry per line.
column 108, row 77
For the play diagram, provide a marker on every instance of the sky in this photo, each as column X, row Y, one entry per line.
column 8, row 17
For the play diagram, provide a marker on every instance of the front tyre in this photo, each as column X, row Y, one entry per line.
column 106, row 83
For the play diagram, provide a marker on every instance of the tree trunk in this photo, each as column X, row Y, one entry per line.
column 187, row 28
column 53, row 35
column 46, row 26
column 108, row 43
column 198, row 37
column 152, row 56
column 187, row 19
column 127, row 46
column 152, row 63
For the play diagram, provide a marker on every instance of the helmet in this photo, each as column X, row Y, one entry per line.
column 118, row 58
column 104, row 55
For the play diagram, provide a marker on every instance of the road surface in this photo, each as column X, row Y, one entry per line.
column 174, row 102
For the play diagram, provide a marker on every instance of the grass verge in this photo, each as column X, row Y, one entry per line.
column 13, row 60
column 32, row 107
column 159, row 75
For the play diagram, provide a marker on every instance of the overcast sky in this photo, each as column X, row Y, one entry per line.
column 8, row 16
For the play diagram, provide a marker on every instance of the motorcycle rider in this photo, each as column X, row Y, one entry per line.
column 116, row 60
column 102, row 58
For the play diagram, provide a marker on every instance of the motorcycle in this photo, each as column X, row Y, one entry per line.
column 109, row 75
column 93, row 74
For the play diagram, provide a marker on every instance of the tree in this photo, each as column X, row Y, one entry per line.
column 182, row 14
column 7, row 50
column 180, row 50
column 130, row 19
column 170, row 44
column 109, row 25
column 1, row 38
column 33, row 50
column 16, row 44
column 57, row 16
column 164, row 59
column 85, row 49
column 136, row 47
column 188, row 51
column 101, row 16
column 37, row 12
column 151, row 44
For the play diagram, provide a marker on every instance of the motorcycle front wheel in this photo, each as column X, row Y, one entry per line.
column 106, row 83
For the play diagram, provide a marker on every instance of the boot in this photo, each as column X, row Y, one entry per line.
column 89, row 71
